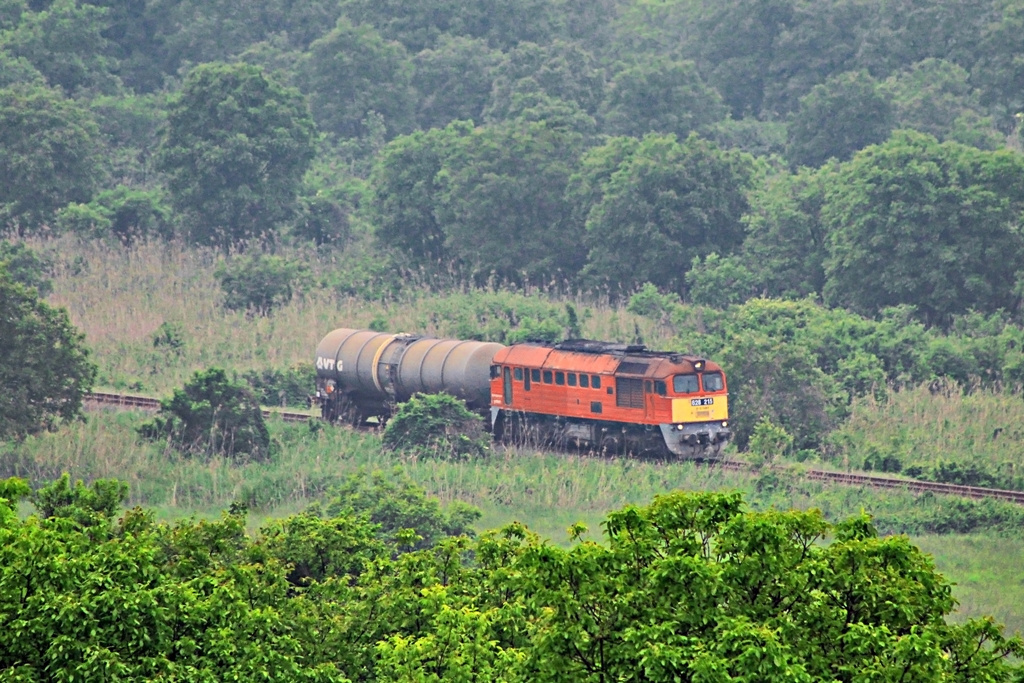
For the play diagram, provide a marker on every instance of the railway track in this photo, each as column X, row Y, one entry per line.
column 131, row 402
column 128, row 401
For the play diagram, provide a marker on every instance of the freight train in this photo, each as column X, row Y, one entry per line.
column 615, row 398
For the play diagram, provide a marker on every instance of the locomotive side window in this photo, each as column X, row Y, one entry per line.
column 571, row 379
column 685, row 384
column 584, row 381
column 547, row 377
column 495, row 371
column 713, row 381
column 519, row 374
column 660, row 388
column 595, row 381
column 648, row 387
column 560, row 378
column 535, row 375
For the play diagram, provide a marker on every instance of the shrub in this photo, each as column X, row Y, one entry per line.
column 87, row 505
column 135, row 214
column 212, row 415
column 259, row 283
column 169, row 336
column 290, row 387
column 397, row 506
column 436, row 426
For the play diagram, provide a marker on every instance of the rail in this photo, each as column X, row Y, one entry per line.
column 129, row 401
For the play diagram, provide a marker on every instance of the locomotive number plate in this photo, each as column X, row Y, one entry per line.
column 702, row 401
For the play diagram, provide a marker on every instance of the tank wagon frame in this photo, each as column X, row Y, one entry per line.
column 612, row 397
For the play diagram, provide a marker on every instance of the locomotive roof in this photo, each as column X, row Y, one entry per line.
column 587, row 355
column 615, row 349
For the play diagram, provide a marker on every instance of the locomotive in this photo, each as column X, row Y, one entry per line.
column 616, row 398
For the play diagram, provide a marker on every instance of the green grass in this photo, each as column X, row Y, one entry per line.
column 546, row 491
column 921, row 427
column 120, row 297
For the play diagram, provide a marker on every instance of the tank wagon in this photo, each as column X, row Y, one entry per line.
column 613, row 397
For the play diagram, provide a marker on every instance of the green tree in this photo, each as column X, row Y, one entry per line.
column 45, row 369
column 935, row 97
column 453, row 81
column 236, row 147
column 25, row 266
column 821, row 40
column 65, row 43
column 561, row 71
column 48, row 156
column 666, row 204
column 212, row 415
column 836, row 119
column 351, row 72
column 932, row 225
column 97, row 503
column 406, row 192
column 503, row 209
column 659, row 95
column 787, row 243
column 736, row 43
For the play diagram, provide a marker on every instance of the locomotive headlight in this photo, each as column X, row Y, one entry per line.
column 329, row 388
column 698, row 365
column 725, row 423
column 679, row 427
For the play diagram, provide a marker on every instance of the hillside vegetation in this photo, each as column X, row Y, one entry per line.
column 826, row 197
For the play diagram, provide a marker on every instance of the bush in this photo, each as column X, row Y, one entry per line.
column 169, row 336
column 398, row 506
column 258, row 283
column 212, row 415
column 135, row 214
column 322, row 221
column 436, row 426
column 87, row 505
column 290, row 387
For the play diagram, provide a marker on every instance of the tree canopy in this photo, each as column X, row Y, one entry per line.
column 693, row 587
column 236, row 146
column 45, row 369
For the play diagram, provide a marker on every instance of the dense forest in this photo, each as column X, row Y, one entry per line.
column 864, row 154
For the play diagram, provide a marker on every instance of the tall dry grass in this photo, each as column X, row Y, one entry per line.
column 120, row 296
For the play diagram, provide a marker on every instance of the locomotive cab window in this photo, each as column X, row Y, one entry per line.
column 560, row 378
column 495, row 371
column 595, row 381
column 713, row 381
column 584, row 381
column 535, row 375
column 660, row 388
column 519, row 374
column 571, row 379
column 547, row 377
column 685, row 384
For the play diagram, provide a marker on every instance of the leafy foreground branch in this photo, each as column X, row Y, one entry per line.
column 690, row 588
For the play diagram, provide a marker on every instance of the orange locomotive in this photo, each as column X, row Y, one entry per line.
column 614, row 397
column 611, row 397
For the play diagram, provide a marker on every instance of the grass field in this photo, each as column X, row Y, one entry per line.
column 120, row 298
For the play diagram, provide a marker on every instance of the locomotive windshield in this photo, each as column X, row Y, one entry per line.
column 685, row 384
column 713, row 381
